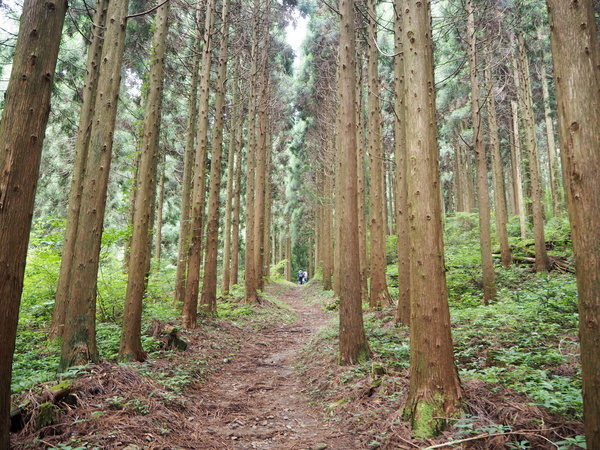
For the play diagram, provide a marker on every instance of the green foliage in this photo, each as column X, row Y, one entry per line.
column 525, row 341
column 463, row 260
column 233, row 310
column 387, row 342
column 391, row 249
column 278, row 270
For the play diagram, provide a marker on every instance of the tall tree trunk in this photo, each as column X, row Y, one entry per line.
column 288, row 255
column 311, row 255
column 576, row 55
column 209, row 286
column 390, row 197
column 159, row 215
column 497, row 172
column 251, row 271
column 22, row 129
column 336, row 231
column 353, row 347
column 235, row 222
column 81, row 149
column 235, row 117
column 458, row 168
column 403, row 311
column 464, row 174
column 483, row 195
column 468, row 180
column 435, row 391
column 192, row 284
column 268, row 210
column 130, row 348
column 79, row 336
column 542, row 263
column 379, row 295
column 516, row 166
column 327, row 233
column 189, row 158
column 361, row 186
column 262, row 153
column 553, row 162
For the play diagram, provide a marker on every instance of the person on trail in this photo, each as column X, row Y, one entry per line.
column 300, row 276
column 305, row 279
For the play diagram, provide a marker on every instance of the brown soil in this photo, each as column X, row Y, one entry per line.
column 258, row 402
column 257, row 386
column 247, row 399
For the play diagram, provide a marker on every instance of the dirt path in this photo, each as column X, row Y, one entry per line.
column 258, row 402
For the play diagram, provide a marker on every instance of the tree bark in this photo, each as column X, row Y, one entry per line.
column 251, row 271
column 22, row 129
column 81, row 150
column 403, row 311
column 268, row 209
column 553, row 162
column 227, row 228
column 435, row 391
column 192, row 285
column 353, row 347
column 361, row 186
column 79, row 336
column 262, row 153
column 379, row 295
column 288, row 255
column 483, row 195
column 497, row 172
column 209, row 286
column 188, row 173
column 541, row 256
column 327, row 234
column 576, row 55
column 235, row 222
column 159, row 215
column 130, row 348
column 516, row 168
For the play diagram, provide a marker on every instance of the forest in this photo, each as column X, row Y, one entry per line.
column 169, row 168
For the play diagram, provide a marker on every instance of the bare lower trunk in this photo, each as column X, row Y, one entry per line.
column 188, row 172
column 233, row 145
column 209, row 286
column 131, row 335
column 553, row 162
column 81, row 151
column 483, row 196
column 251, row 271
column 235, row 222
column 576, row 57
column 361, row 186
column 79, row 336
column 192, row 285
column 379, row 295
column 160, row 203
column 403, row 311
column 542, row 264
column 516, row 166
column 435, row 392
column 353, row 347
column 25, row 115
column 497, row 174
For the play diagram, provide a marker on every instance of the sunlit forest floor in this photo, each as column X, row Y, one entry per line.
column 266, row 376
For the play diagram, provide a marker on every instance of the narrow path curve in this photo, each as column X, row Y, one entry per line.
column 258, row 402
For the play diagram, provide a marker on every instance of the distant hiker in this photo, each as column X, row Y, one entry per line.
column 300, row 276
column 305, row 278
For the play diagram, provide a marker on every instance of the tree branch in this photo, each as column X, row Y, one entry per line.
column 148, row 11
